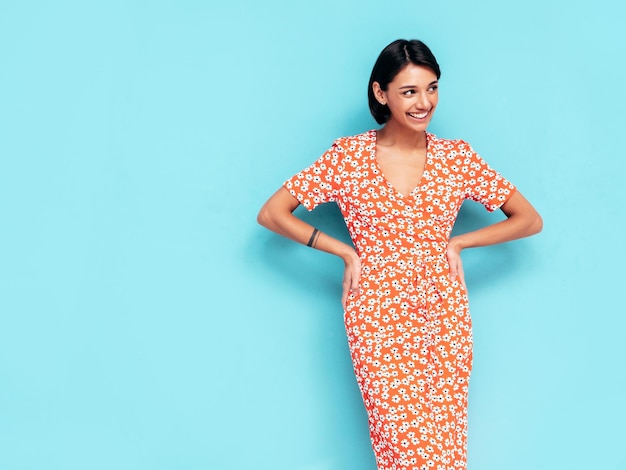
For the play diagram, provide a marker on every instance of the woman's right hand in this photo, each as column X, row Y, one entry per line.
column 351, row 276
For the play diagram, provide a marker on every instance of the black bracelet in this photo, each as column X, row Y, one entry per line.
column 312, row 239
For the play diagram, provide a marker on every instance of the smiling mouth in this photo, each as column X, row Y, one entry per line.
column 418, row 115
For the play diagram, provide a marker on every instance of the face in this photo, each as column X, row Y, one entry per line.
column 411, row 96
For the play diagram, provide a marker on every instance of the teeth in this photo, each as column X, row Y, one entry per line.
column 419, row 115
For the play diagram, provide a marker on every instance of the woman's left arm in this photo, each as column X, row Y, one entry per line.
column 522, row 221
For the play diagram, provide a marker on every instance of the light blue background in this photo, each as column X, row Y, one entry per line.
column 147, row 322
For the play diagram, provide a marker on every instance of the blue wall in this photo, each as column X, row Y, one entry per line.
column 147, row 322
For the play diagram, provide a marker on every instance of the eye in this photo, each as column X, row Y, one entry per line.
column 408, row 92
column 433, row 88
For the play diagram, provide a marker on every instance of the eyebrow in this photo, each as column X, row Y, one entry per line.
column 415, row 86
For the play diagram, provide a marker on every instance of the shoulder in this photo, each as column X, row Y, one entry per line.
column 449, row 149
column 351, row 151
column 454, row 156
column 355, row 143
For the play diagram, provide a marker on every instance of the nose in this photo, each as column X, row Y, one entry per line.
column 422, row 101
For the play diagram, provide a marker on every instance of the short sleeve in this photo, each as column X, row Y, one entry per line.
column 319, row 182
column 483, row 184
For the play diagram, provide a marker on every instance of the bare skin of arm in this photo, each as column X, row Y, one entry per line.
column 277, row 215
column 522, row 221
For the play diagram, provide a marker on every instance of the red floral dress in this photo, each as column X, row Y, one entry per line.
column 409, row 328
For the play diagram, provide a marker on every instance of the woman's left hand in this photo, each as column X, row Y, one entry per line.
column 453, row 253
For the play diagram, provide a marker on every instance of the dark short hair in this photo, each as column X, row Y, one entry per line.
column 391, row 60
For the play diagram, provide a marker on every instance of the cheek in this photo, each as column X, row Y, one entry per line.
column 395, row 107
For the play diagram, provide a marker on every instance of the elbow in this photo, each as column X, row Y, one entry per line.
column 536, row 224
column 277, row 210
column 267, row 216
column 263, row 217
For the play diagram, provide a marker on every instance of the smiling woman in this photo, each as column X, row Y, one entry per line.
column 399, row 189
column 411, row 99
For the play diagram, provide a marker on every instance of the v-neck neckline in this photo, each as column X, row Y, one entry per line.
column 382, row 176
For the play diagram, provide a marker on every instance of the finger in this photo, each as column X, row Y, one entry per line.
column 461, row 277
column 354, row 285
column 460, row 273
column 348, row 289
column 345, row 293
column 451, row 266
column 453, row 271
column 356, row 278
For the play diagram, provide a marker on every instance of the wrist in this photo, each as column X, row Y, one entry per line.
column 348, row 254
column 456, row 244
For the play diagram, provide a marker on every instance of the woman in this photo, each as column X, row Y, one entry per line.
column 399, row 189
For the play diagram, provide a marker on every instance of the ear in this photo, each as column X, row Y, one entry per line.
column 379, row 94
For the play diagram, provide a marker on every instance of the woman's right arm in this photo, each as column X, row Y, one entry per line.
column 277, row 215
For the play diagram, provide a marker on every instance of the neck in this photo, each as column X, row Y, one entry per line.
column 401, row 137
